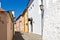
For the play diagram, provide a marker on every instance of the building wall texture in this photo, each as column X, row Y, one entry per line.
column 6, row 26
column 51, row 30
column 22, row 22
column 17, row 25
column 26, row 21
column 35, row 13
column 3, row 26
column 23, row 27
column 9, row 28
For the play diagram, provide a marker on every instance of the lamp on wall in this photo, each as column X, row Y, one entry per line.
column 41, row 7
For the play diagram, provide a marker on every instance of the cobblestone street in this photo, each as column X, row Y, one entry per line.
column 26, row 36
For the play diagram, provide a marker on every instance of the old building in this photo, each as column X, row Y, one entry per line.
column 34, row 16
column 31, row 18
column 51, row 30
column 22, row 22
column 6, row 25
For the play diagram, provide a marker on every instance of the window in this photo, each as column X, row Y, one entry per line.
column 33, row 5
column 20, row 21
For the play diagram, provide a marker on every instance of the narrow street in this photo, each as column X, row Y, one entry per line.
column 18, row 36
column 26, row 36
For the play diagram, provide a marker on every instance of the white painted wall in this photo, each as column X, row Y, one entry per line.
column 51, row 20
column 29, row 25
column 35, row 13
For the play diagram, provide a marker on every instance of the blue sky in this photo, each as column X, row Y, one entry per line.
column 17, row 5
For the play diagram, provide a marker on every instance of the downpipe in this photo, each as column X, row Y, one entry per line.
column 42, row 17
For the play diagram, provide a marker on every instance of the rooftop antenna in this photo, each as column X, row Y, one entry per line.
column 0, row 4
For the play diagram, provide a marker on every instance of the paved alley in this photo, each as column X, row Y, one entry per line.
column 18, row 36
column 26, row 36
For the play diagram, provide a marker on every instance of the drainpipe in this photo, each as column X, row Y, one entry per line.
column 42, row 17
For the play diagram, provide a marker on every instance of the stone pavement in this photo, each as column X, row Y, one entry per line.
column 31, row 36
column 27, row 36
column 18, row 36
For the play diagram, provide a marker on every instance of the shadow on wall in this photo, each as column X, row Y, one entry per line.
column 18, row 36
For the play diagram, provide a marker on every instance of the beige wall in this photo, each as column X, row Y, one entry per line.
column 3, row 26
column 20, row 23
column 26, row 21
column 6, row 31
column 9, row 28
column 23, row 24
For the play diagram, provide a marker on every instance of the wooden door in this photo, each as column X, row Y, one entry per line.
column 3, row 26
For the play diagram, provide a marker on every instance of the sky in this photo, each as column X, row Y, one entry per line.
column 17, row 5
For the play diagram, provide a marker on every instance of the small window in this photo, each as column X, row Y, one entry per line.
column 33, row 5
column 20, row 21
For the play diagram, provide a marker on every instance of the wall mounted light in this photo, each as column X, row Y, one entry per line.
column 41, row 7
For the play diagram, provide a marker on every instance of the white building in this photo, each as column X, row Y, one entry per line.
column 51, row 29
column 34, row 14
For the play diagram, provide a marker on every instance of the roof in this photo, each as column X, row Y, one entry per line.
column 10, row 14
column 1, row 9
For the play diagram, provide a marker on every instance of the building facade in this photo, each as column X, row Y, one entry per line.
column 34, row 16
column 6, row 25
column 51, row 30
column 17, row 25
column 26, row 20
column 22, row 22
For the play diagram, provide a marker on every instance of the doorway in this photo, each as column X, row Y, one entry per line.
column 30, row 23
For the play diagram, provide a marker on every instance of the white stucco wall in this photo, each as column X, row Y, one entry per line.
column 35, row 13
column 51, row 20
